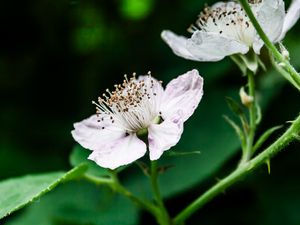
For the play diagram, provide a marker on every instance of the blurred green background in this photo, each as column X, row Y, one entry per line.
column 58, row 56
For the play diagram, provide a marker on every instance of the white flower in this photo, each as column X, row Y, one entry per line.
column 139, row 106
column 224, row 29
column 291, row 17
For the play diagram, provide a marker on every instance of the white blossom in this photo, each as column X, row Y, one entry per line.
column 134, row 107
column 224, row 29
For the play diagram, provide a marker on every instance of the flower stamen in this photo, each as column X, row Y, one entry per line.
column 132, row 105
column 228, row 19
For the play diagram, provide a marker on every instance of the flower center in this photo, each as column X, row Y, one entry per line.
column 133, row 105
column 228, row 19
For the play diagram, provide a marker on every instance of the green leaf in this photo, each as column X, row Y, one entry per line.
column 261, row 64
column 235, row 107
column 177, row 153
column 15, row 193
column 237, row 130
column 79, row 203
column 250, row 61
column 80, row 155
column 264, row 137
column 240, row 63
column 258, row 113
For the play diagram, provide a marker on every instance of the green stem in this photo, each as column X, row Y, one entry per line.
column 283, row 72
column 144, row 204
column 98, row 180
column 115, row 184
column 278, row 56
column 240, row 172
column 163, row 216
column 252, row 119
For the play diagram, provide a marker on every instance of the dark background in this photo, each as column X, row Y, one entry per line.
column 58, row 56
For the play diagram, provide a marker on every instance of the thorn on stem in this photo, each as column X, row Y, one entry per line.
column 296, row 136
column 268, row 162
column 281, row 64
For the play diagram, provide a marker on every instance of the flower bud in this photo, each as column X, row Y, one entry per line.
column 284, row 52
column 245, row 98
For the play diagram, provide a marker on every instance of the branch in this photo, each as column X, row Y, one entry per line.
column 240, row 172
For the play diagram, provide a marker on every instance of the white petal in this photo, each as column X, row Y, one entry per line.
column 120, row 152
column 90, row 133
column 222, row 5
column 162, row 137
column 291, row 17
column 182, row 96
column 270, row 15
column 177, row 44
column 257, row 45
column 209, row 46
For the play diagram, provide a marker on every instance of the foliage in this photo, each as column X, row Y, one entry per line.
column 62, row 54
column 15, row 193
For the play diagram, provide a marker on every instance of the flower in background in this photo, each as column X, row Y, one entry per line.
column 224, row 29
column 291, row 17
column 139, row 106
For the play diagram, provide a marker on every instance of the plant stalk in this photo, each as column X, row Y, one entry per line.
column 247, row 153
column 142, row 203
column 288, row 136
column 277, row 55
column 162, row 217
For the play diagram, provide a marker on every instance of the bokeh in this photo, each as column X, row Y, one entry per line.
column 58, row 56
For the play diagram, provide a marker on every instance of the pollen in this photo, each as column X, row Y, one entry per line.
column 132, row 105
column 227, row 19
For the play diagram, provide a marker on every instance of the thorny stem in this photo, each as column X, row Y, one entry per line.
column 247, row 153
column 240, row 172
column 163, row 216
column 277, row 55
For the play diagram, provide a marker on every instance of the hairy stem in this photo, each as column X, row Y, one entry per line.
column 277, row 55
column 240, row 172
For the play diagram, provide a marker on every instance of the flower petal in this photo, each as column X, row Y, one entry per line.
column 209, row 46
column 270, row 15
column 182, row 96
column 162, row 137
column 93, row 135
column 120, row 152
column 257, row 45
column 177, row 44
column 291, row 17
